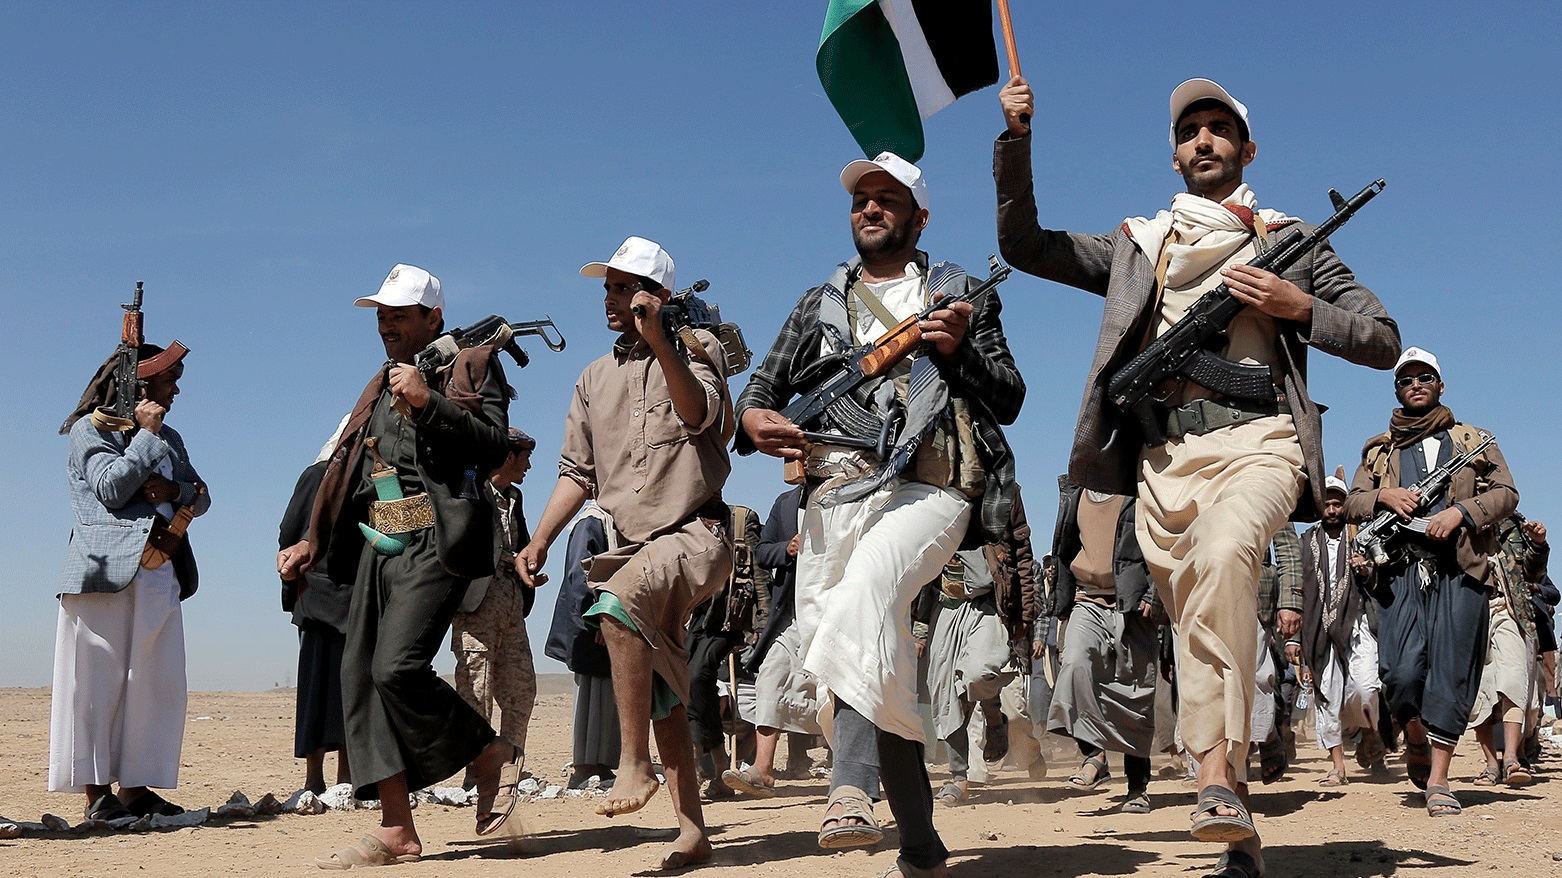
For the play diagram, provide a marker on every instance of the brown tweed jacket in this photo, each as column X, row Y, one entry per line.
column 1348, row 322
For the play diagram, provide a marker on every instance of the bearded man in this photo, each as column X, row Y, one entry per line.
column 1232, row 471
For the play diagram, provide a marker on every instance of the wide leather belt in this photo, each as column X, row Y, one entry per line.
column 401, row 516
column 1207, row 415
column 829, row 461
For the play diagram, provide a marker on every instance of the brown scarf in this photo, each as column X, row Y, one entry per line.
column 462, row 384
column 1405, row 431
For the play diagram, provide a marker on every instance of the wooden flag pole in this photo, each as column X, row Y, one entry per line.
column 732, row 701
column 1008, row 38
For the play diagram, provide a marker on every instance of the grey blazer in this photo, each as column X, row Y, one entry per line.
column 111, row 521
column 1348, row 322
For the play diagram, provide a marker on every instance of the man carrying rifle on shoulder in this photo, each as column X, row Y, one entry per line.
column 118, row 704
column 879, row 524
column 1216, row 475
column 398, row 514
column 1438, row 579
column 646, row 437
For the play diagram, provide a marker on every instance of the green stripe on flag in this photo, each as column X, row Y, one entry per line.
column 864, row 75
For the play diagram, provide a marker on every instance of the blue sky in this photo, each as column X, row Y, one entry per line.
column 261, row 165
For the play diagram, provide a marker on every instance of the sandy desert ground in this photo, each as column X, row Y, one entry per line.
column 1012, row 827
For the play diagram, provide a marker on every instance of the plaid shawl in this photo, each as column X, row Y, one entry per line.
column 981, row 371
column 927, row 398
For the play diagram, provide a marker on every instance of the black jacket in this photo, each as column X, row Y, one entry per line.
column 771, row 554
column 1128, row 567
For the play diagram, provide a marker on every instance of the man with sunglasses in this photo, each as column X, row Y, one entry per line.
column 1432, row 632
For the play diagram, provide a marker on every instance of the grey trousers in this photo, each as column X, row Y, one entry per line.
column 865, row 756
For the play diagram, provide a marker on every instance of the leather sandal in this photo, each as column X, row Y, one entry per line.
column 369, row 851
column 151, row 803
column 950, row 795
column 1210, row 825
column 1235, row 864
column 1440, row 802
column 747, row 780
column 1136, row 803
column 492, row 815
column 1418, row 762
column 107, row 807
column 1078, row 781
column 855, row 805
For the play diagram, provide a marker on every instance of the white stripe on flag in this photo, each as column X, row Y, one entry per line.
column 927, row 82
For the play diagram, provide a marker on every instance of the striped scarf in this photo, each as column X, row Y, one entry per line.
column 927, row 398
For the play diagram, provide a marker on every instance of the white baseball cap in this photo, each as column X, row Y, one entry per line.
column 908, row 174
column 636, row 256
column 1197, row 90
column 406, row 285
column 1335, row 483
column 1417, row 355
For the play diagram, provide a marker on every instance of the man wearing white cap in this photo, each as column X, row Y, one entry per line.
column 1435, row 589
column 875, row 531
column 1337, row 646
column 395, row 515
column 646, row 435
column 1232, row 470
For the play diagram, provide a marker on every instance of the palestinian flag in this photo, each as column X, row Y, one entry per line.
column 888, row 64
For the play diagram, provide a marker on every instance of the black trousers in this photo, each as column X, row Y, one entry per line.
column 400, row 716
column 317, row 718
column 865, row 757
column 1431, row 648
column 707, row 652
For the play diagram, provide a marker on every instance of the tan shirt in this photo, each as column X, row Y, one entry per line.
column 1095, row 573
column 626, row 444
column 1252, row 338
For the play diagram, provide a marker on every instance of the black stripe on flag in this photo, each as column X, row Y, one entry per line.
column 960, row 33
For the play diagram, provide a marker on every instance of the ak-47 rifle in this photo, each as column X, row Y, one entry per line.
column 1186, row 350
column 121, row 415
column 1371, row 541
column 866, row 362
column 492, row 330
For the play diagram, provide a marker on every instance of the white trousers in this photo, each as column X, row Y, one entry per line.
column 1349, row 691
column 119, row 694
column 859, row 569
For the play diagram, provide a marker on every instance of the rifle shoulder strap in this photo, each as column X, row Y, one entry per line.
column 860, row 290
column 1466, row 437
column 729, row 424
column 1375, row 456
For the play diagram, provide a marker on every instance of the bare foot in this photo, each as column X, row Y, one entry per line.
column 689, row 849
column 402, row 841
column 630, row 793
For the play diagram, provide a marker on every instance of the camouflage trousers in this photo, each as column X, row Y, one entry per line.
column 494, row 670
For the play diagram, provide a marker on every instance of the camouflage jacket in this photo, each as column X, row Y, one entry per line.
column 1519, row 563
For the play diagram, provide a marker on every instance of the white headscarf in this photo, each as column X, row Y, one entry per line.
column 1199, row 234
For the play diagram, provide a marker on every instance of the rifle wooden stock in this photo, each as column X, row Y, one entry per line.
column 893, row 346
